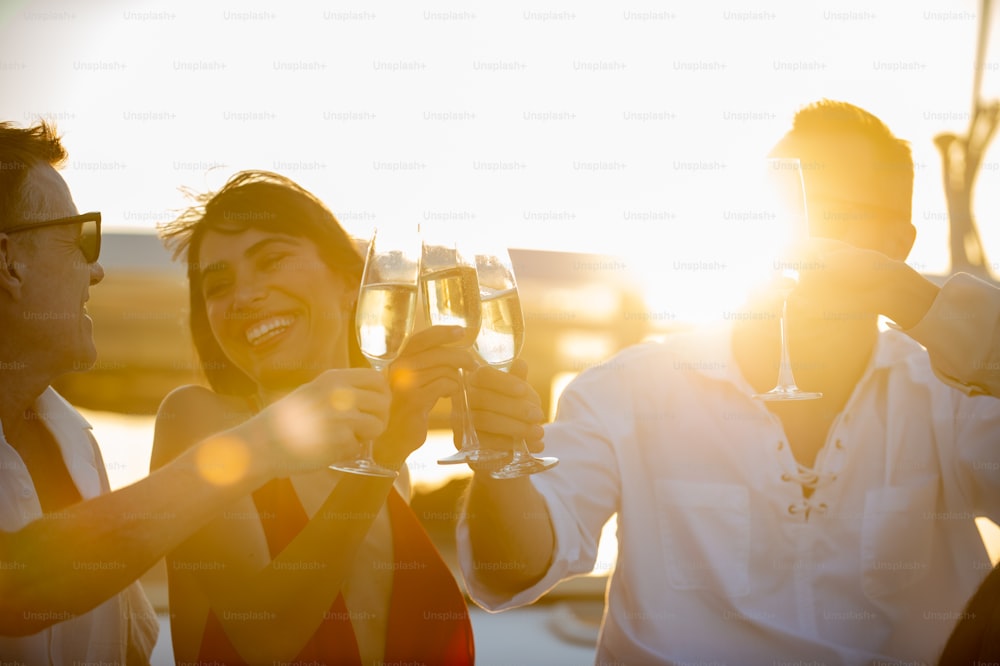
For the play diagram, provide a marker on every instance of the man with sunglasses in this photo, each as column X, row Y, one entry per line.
column 71, row 551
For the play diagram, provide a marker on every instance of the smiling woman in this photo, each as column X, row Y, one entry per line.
column 280, row 217
column 338, row 564
column 307, row 321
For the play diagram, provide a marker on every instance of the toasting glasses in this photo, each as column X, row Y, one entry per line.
column 783, row 193
column 501, row 335
column 449, row 288
column 387, row 303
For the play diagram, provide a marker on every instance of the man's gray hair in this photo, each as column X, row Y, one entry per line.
column 21, row 149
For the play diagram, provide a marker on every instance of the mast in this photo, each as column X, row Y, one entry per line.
column 961, row 157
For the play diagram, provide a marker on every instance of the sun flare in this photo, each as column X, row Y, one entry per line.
column 223, row 460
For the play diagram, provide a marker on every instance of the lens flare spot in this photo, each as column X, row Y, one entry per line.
column 297, row 425
column 404, row 378
column 342, row 399
column 223, row 460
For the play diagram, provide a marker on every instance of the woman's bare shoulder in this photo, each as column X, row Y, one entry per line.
column 191, row 413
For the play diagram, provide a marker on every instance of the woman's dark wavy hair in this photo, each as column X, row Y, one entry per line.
column 255, row 200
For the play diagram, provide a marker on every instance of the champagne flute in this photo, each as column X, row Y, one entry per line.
column 387, row 303
column 450, row 292
column 785, row 202
column 501, row 336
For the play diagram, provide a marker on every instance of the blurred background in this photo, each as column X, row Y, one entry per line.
column 595, row 138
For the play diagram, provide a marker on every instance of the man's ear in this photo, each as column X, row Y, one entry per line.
column 10, row 274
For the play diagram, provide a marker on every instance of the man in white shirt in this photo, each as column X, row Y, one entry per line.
column 831, row 531
column 70, row 550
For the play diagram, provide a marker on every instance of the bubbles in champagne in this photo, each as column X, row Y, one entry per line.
column 451, row 298
column 384, row 319
column 502, row 332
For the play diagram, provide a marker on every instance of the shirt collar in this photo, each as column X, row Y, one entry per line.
column 894, row 347
column 72, row 433
column 52, row 406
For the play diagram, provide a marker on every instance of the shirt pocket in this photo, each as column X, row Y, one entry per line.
column 897, row 535
column 705, row 533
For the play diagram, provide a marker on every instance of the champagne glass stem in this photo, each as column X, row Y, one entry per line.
column 521, row 452
column 785, row 375
column 365, row 464
column 783, row 192
column 469, row 437
column 786, row 389
column 522, row 462
column 470, row 451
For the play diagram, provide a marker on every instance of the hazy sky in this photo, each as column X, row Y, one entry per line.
column 566, row 125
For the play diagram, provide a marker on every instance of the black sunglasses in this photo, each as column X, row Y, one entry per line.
column 90, row 233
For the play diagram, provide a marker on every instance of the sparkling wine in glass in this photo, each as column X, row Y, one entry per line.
column 387, row 302
column 501, row 336
column 449, row 289
column 783, row 193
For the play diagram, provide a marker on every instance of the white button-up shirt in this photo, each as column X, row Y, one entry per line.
column 721, row 559
column 102, row 635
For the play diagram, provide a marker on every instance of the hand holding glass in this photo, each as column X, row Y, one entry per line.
column 450, row 292
column 387, row 303
column 501, row 336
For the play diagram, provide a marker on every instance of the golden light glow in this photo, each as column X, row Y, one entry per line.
column 724, row 243
column 581, row 348
column 222, row 460
column 559, row 382
column 990, row 533
column 404, row 378
column 342, row 399
column 297, row 424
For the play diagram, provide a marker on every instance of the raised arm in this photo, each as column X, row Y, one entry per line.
column 958, row 323
column 510, row 530
column 293, row 590
column 961, row 331
column 68, row 563
column 297, row 587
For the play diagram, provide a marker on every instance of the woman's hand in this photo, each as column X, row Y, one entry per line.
column 426, row 370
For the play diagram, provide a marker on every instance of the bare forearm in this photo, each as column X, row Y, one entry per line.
column 298, row 586
column 320, row 556
column 71, row 561
column 911, row 297
column 510, row 531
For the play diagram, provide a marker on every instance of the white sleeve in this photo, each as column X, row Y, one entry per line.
column 143, row 625
column 977, row 442
column 582, row 491
column 961, row 332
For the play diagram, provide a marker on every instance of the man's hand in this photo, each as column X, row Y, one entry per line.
column 504, row 408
